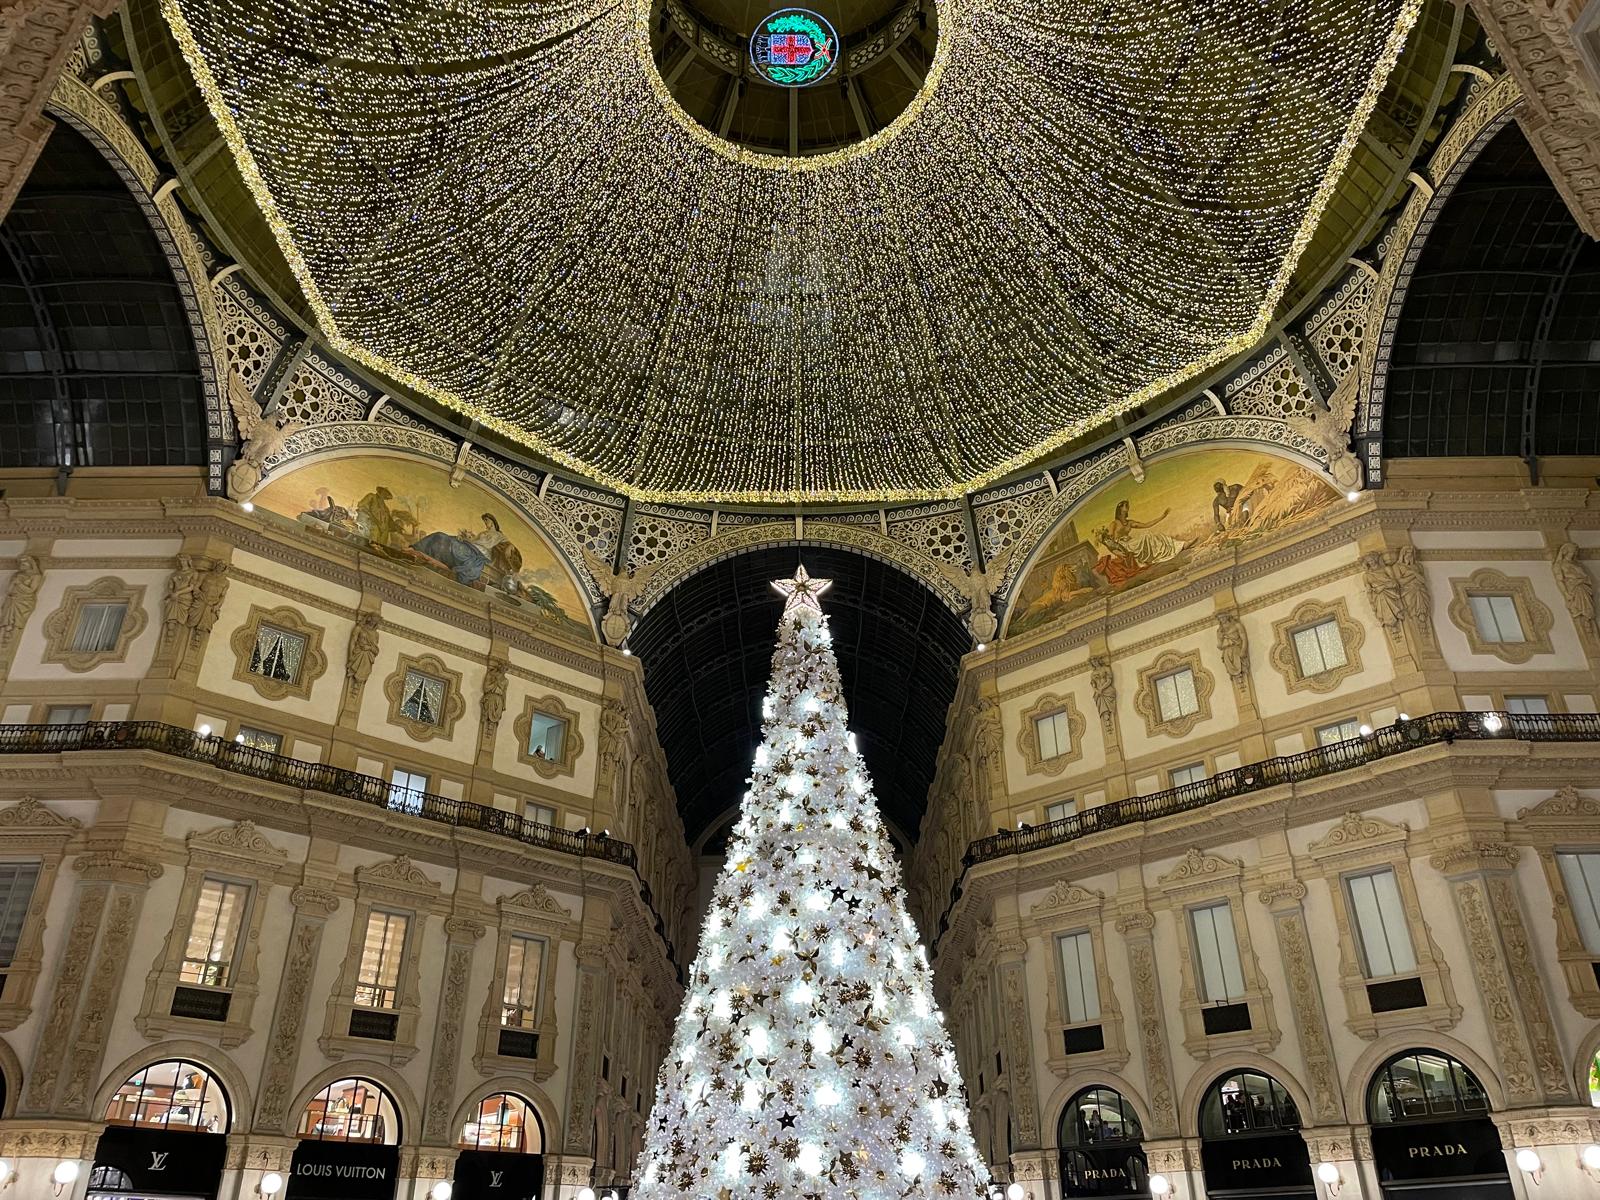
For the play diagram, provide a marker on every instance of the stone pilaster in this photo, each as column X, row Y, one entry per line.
column 1283, row 899
column 463, row 937
column 587, row 1006
column 1138, row 940
column 313, row 905
column 1017, row 1036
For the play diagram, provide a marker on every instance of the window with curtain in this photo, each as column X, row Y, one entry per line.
column 378, row 978
column 1496, row 618
column 422, row 697
column 1319, row 647
column 1380, row 920
column 1193, row 773
column 214, row 933
column 17, row 881
column 1059, row 811
column 277, row 653
column 1528, row 706
column 1217, row 952
column 1581, row 872
column 1080, row 986
column 66, row 714
column 547, row 737
column 99, row 626
column 519, row 1008
column 1175, row 695
column 1053, row 736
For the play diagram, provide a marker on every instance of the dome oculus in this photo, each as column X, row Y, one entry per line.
column 794, row 47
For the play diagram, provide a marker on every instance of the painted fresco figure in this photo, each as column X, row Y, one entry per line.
column 1125, row 558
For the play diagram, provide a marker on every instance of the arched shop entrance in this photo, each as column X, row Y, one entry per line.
column 1250, row 1143
column 1101, row 1154
column 349, row 1144
column 166, row 1131
column 1431, row 1132
column 502, row 1151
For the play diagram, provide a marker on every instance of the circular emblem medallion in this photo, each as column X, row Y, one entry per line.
column 793, row 47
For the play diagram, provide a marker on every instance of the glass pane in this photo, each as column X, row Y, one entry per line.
column 382, row 949
column 1308, row 649
column 171, row 1094
column 406, row 789
column 1221, row 977
column 1527, row 705
column 543, row 814
column 547, row 737
column 214, row 934
column 99, row 626
column 1059, row 811
column 1080, row 988
column 1506, row 619
column 423, row 698
column 351, row 1110
column 503, row 1122
column 1581, row 873
column 17, row 882
column 259, row 739
column 277, row 654
column 520, row 1003
column 67, row 714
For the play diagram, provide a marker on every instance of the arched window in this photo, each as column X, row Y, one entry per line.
column 1098, row 1116
column 1594, row 1081
column 171, row 1095
column 352, row 1110
column 1423, row 1085
column 1243, row 1102
column 503, row 1121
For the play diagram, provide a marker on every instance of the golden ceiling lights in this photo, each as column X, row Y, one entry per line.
column 492, row 203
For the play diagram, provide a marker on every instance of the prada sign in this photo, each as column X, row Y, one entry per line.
column 160, row 1162
column 498, row 1175
column 1438, row 1150
column 342, row 1171
column 1263, row 1164
column 1105, row 1172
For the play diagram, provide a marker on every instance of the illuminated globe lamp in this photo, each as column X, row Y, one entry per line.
column 829, row 78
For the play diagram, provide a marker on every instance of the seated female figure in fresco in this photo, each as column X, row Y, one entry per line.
column 1125, row 556
column 468, row 554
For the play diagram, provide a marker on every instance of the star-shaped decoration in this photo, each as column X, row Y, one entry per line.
column 802, row 591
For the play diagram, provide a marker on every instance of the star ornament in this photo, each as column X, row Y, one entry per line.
column 802, row 591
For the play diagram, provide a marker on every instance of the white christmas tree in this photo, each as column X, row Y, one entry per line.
column 809, row 1060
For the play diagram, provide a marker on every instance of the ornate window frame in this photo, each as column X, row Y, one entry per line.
column 531, row 913
column 1286, row 661
column 572, row 742
column 1533, row 614
column 1200, row 880
column 1065, row 909
column 1148, row 706
column 235, row 853
column 450, row 710
column 312, row 664
column 60, row 625
column 1360, row 843
column 1027, row 743
column 399, row 886
column 31, row 833
column 1566, row 821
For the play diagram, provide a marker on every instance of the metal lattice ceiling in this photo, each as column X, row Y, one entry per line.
column 707, row 653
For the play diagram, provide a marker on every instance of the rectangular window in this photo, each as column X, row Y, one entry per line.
column 1193, row 773
column 1053, row 736
column 214, row 933
column 1175, row 695
column 1216, row 948
column 1380, row 919
column 1339, row 731
column 17, row 881
column 1528, row 706
column 1581, row 871
column 547, row 737
column 542, row 814
column 1060, row 810
column 519, row 1008
column 378, row 980
column 406, row 789
column 1496, row 618
column 277, row 653
column 1080, row 986
column 1319, row 648
column 99, row 626
column 66, row 714
column 422, row 699
column 259, row 739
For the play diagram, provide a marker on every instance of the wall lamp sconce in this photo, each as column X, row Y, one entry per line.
column 441, row 1190
column 585, row 1193
column 1331, row 1177
column 270, row 1185
column 1528, row 1163
column 7, row 1175
column 65, row 1174
column 1589, row 1160
column 1160, row 1185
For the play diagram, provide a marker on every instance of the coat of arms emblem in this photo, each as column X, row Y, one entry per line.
column 794, row 47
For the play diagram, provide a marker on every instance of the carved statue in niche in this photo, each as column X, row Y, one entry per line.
column 1104, row 686
column 21, row 596
column 1415, row 598
column 1383, row 590
column 183, row 589
column 621, row 589
column 1232, row 646
column 494, row 694
column 987, row 738
column 1577, row 587
column 613, row 740
column 260, row 438
column 363, row 650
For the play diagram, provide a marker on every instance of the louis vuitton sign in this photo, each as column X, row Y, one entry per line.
column 343, row 1171
column 498, row 1175
column 160, row 1162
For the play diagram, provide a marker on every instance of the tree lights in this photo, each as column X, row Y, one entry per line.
column 499, row 206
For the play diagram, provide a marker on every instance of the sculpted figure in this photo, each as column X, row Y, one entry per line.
column 1383, row 590
column 494, row 693
column 1577, row 587
column 621, row 589
column 1103, row 684
column 1415, row 597
column 259, row 439
column 363, row 649
column 979, row 588
column 209, row 591
column 1231, row 645
column 21, row 596
column 182, row 590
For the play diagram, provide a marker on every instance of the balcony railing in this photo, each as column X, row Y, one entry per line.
column 240, row 759
column 1410, row 734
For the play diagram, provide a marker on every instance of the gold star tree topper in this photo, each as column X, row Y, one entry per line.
column 802, row 591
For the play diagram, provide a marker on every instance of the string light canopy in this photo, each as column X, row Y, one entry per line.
column 502, row 207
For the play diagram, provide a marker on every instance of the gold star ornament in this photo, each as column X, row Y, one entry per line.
column 802, row 591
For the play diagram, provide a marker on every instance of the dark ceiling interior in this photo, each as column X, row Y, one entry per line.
column 707, row 652
column 97, row 365
column 1498, row 348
